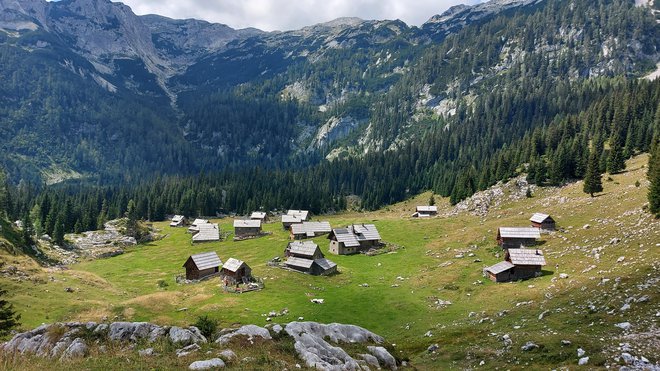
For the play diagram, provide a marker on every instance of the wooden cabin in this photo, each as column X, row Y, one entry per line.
column 306, row 257
column 519, row 264
column 425, row 212
column 353, row 239
column 260, row 215
column 543, row 221
column 207, row 233
column 202, row 265
column 236, row 271
column 194, row 226
column 304, row 230
column 294, row 217
column 178, row 221
column 247, row 228
column 511, row 238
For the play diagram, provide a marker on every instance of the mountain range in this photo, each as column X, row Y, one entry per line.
column 94, row 90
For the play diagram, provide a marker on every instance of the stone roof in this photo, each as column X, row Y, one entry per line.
column 526, row 257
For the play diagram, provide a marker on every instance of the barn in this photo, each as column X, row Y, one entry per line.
column 207, row 233
column 543, row 222
column 200, row 266
column 510, row 237
column 236, row 271
column 178, row 221
column 304, row 230
column 425, row 211
column 247, row 228
column 259, row 215
column 353, row 239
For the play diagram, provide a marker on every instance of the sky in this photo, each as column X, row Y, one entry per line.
column 283, row 15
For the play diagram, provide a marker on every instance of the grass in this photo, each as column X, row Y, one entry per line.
column 139, row 285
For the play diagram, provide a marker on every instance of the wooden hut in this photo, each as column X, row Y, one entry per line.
column 304, row 230
column 260, row 215
column 527, row 262
column 353, row 239
column 425, row 211
column 306, row 257
column 247, row 228
column 207, row 233
column 202, row 265
column 194, row 226
column 543, row 222
column 236, row 271
column 509, row 237
column 294, row 217
column 178, row 221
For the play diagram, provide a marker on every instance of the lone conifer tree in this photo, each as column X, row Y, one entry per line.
column 592, row 178
column 8, row 317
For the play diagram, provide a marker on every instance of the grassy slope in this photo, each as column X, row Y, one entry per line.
column 126, row 286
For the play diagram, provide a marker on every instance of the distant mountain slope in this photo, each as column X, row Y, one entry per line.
column 90, row 84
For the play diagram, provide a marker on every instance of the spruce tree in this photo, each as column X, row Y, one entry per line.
column 132, row 218
column 592, row 179
column 26, row 234
column 8, row 317
column 431, row 200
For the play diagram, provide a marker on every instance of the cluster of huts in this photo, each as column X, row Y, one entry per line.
column 208, row 264
column 306, row 257
column 201, row 229
column 520, row 261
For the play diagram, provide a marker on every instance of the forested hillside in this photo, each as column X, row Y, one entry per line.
column 394, row 109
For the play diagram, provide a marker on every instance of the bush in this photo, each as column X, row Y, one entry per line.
column 162, row 284
column 206, row 325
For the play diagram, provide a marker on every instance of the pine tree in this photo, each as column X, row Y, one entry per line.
column 431, row 200
column 8, row 317
column 132, row 218
column 592, row 179
column 616, row 160
column 26, row 234
column 58, row 232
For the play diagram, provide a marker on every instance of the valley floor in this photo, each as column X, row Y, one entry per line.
column 608, row 247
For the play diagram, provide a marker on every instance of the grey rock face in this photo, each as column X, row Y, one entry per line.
column 317, row 353
column 250, row 331
column 188, row 336
column 371, row 360
column 77, row 349
column 133, row 331
column 529, row 346
column 383, row 356
column 207, row 364
column 228, row 355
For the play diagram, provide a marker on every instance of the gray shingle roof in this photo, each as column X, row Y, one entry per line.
column 207, row 232
column 291, row 219
column 302, row 214
column 539, row 217
column 427, row 209
column 526, row 257
column 353, row 234
column 311, row 228
column 258, row 215
column 325, row 263
column 519, row 232
column 233, row 265
column 306, row 248
column 499, row 267
column 299, row 262
column 206, row 260
column 247, row 223
column 177, row 218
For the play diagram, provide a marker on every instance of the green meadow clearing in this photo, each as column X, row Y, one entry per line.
column 403, row 286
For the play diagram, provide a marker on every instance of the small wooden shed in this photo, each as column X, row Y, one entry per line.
column 202, row 265
column 425, row 211
column 511, row 238
column 247, row 228
column 500, row 272
column 527, row 262
column 236, row 271
column 543, row 222
column 207, row 233
column 353, row 239
column 303, row 249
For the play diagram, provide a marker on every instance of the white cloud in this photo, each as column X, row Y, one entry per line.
column 287, row 15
